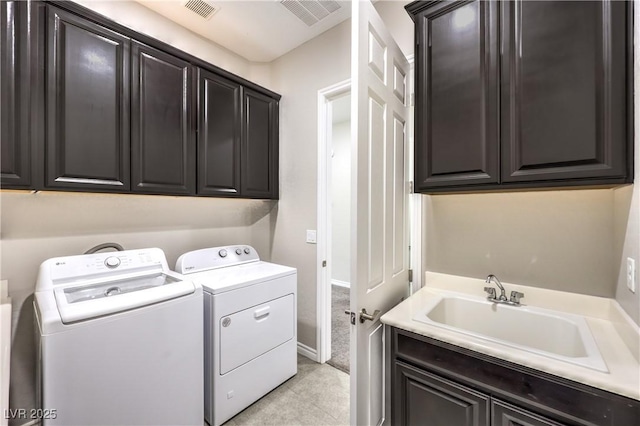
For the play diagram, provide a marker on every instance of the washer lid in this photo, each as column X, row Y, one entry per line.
column 86, row 301
column 233, row 277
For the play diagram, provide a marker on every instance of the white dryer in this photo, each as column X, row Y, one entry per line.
column 120, row 341
column 250, row 343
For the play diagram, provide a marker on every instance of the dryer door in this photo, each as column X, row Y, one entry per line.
column 247, row 334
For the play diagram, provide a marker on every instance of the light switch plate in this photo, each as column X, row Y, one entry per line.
column 631, row 274
column 311, row 236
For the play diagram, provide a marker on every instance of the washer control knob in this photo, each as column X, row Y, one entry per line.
column 222, row 253
column 112, row 262
column 246, row 250
column 238, row 251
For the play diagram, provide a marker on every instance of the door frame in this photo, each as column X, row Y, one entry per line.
column 323, row 237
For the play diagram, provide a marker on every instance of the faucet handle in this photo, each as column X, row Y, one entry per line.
column 491, row 292
column 515, row 297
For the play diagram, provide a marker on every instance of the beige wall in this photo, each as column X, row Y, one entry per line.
column 298, row 76
column 561, row 240
column 341, row 200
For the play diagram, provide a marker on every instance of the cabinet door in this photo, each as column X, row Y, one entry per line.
column 457, row 140
column 503, row 414
column 16, row 66
column 421, row 398
column 162, row 126
column 563, row 90
column 219, row 133
column 259, row 146
column 87, row 112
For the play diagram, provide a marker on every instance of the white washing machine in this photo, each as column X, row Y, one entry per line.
column 250, row 341
column 120, row 341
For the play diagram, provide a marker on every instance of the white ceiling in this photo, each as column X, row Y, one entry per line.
column 258, row 30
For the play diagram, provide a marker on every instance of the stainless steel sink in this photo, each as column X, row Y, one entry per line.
column 554, row 334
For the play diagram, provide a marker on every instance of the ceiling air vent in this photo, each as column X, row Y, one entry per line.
column 311, row 11
column 201, row 7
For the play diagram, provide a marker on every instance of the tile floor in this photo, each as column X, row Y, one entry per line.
column 317, row 395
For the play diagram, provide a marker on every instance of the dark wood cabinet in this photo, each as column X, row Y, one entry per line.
column 259, row 178
column 18, row 54
column 563, row 90
column 219, row 136
column 457, row 95
column 432, row 382
column 522, row 94
column 162, row 127
column 87, row 110
column 90, row 105
column 426, row 399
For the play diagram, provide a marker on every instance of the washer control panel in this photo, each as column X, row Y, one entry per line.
column 83, row 267
column 215, row 257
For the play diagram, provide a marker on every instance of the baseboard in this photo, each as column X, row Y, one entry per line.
column 341, row 283
column 310, row 353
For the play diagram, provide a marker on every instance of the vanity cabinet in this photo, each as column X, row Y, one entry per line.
column 90, row 105
column 522, row 94
column 433, row 383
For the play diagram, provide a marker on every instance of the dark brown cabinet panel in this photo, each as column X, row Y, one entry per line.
column 432, row 382
column 457, row 95
column 219, row 124
column 259, row 178
column 425, row 399
column 503, row 414
column 563, row 90
column 18, row 50
column 87, row 137
column 522, row 94
column 162, row 128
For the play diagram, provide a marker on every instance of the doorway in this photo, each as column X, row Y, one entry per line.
column 334, row 223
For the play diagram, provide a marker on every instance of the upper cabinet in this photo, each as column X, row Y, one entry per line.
column 87, row 108
column 17, row 54
column 522, row 94
column 162, row 126
column 219, row 124
column 259, row 145
column 89, row 105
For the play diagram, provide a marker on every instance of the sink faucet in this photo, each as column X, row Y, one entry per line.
column 491, row 277
column 513, row 300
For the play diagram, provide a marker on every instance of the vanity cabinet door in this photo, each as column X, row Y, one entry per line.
column 87, row 110
column 503, row 414
column 456, row 112
column 564, row 113
column 162, row 127
column 422, row 398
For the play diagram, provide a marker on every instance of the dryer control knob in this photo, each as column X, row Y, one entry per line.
column 222, row 253
column 246, row 250
column 238, row 252
column 112, row 262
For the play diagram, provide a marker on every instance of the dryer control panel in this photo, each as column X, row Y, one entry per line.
column 215, row 257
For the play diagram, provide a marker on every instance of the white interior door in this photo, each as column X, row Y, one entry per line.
column 379, row 234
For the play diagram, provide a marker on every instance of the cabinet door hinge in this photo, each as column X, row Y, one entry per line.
column 410, row 275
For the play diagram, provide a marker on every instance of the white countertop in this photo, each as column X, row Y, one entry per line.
column 616, row 336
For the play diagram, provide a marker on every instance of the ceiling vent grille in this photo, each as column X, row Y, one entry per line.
column 201, row 7
column 311, row 11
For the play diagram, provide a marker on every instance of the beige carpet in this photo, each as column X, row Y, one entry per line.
column 339, row 328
